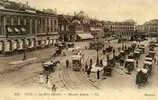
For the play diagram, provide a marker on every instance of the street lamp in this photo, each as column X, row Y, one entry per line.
column 97, row 43
column 24, row 51
column 97, row 62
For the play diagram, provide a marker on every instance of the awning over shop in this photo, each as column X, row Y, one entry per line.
column 1, row 46
column 23, row 29
column 20, row 44
column 7, row 47
column 85, row 36
column 31, row 43
column 17, row 30
column 14, row 45
column 9, row 29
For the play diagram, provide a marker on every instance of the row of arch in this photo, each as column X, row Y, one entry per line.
column 8, row 46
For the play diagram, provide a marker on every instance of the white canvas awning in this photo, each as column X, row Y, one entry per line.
column 16, row 30
column 14, row 45
column 148, row 62
column 76, row 57
column 20, row 44
column 9, row 29
column 130, row 60
column 1, row 46
column 7, row 47
column 85, row 36
column 148, row 58
column 47, row 42
column 23, row 29
column 31, row 43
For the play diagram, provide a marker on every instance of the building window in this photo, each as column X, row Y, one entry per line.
column 1, row 20
column 15, row 22
column 8, row 20
column 22, row 22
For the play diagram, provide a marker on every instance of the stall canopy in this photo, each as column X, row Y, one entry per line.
column 85, row 36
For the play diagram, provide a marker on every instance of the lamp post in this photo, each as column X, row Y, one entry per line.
column 24, row 56
column 97, row 62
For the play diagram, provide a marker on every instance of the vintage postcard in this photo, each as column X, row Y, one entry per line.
column 78, row 49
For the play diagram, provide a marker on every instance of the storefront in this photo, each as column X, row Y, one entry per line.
column 84, row 36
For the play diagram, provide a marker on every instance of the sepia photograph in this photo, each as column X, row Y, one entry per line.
column 78, row 49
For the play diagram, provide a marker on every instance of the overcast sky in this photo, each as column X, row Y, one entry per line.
column 114, row 10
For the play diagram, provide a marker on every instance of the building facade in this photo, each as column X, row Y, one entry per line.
column 26, row 29
column 122, row 29
column 151, row 27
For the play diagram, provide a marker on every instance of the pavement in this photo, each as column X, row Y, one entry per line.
column 66, row 79
column 10, row 62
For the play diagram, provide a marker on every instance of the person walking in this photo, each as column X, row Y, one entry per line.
column 67, row 63
column 53, row 87
column 98, row 74
column 47, row 78
column 91, row 62
column 86, row 67
column 155, row 60
column 101, row 62
column 136, row 63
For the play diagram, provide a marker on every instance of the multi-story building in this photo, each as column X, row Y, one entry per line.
column 29, row 28
column 122, row 29
column 73, row 28
column 64, row 22
column 151, row 27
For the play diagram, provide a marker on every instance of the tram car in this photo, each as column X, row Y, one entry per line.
column 76, row 62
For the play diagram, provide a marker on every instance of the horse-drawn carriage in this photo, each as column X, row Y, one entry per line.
column 137, row 54
column 148, row 66
column 107, row 68
column 142, row 77
column 142, row 48
column 152, row 54
column 57, row 52
column 109, row 49
column 50, row 66
column 70, row 45
column 148, row 58
column 129, row 65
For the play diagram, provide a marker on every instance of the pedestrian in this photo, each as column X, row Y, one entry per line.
column 53, row 87
column 47, row 78
column 136, row 63
column 86, row 67
column 67, row 63
column 125, row 47
column 155, row 60
column 98, row 74
column 88, row 72
column 101, row 62
column 91, row 62
column 113, row 51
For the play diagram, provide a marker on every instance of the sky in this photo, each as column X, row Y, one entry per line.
column 113, row 10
